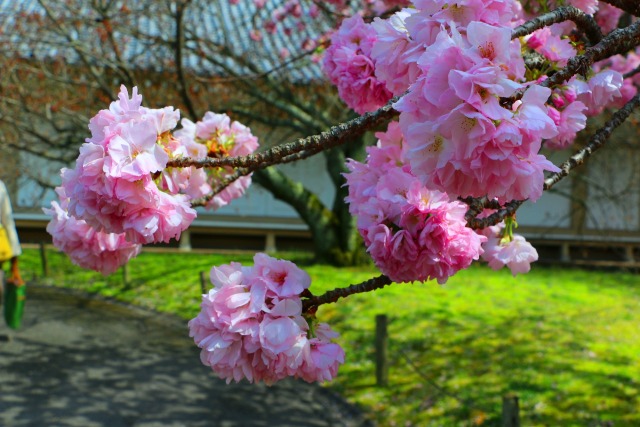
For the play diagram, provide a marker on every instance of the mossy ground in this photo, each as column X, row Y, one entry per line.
column 566, row 341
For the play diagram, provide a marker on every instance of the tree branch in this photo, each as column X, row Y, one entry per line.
column 618, row 41
column 596, row 142
column 508, row 210
column 584, row 22
column 335, row 294
column 336, row 135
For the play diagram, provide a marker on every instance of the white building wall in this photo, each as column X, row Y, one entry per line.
column 259, row 202
column 614, row 197
column 614, row 190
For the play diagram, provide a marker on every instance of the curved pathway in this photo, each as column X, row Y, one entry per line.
column 82, row 361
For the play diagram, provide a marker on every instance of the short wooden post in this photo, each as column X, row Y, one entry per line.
column 185, row 241
column 510, row 411
column 44, row 260
column 565, row 252
column 203, row 282
column 382, row 338
column 628, row 253
column 270, row 243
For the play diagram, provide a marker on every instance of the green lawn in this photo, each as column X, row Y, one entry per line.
column 566, row 341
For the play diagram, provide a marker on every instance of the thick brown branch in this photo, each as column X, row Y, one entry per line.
column 334, row 295
column 477, row 205
column 584, row 22
column 596, row 142
column 336, row 135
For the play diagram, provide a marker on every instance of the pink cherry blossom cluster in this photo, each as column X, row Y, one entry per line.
column 584, row 96
column 217, row 136
column 502, row 249
column 349, row 65
column 460, row 69
column 121, row 185
column 461, row 139
column 112, row 186
column 568, row 115
column 411, row 233
column 87, row 247
column 251, row 325
column 621, row 65
column 552, row 43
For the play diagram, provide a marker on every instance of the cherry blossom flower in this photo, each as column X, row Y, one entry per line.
column 608, row 17
column 349, row 66
column 514, row 251
column 411, row 233
column 112, row 186
column 216, row 136
column 251, row 326
column 569, row 121
column 389, row 51
column 85, row 246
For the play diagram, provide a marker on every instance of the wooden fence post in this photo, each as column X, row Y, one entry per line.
column 44, row 260
column 382, row 367
column 510, row 411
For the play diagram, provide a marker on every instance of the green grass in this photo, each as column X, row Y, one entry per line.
column 566, row 341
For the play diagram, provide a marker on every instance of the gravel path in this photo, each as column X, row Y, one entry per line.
column 82, row 361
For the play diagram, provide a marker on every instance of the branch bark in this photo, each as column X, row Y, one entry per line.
column 618, row 41
column 584, row 22
column 335, row 294
column 336, row 135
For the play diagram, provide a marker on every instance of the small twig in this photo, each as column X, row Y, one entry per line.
column 631, row 73
column 584, row 22
column 240, row 172
column 535, row 61
column 230, row 179
column 334, row 295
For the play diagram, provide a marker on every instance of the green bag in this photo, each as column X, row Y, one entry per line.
column 14, row 300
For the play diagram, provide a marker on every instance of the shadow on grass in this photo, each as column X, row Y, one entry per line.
column 79, row 362
column 462, row 367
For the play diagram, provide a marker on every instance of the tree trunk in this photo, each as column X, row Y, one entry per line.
column 325, row 226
